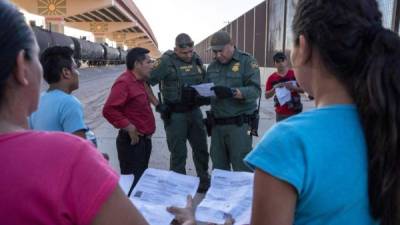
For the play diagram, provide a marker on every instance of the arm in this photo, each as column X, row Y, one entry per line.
column 71, row 117
column 274, row 201
column 112, row 109
column 133, row 133
column 270, row 88
column 186, row 216
column 160, row 70
column 270, row 93
column 90, row 193
column 251, row 88
column 118, row 210
column 292, row 87
column 153, row 100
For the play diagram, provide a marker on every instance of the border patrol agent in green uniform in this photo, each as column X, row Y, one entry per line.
column 236, row 77
column 176, row 71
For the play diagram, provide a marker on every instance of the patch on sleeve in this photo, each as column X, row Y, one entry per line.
column 254, row 65
column 157, row 63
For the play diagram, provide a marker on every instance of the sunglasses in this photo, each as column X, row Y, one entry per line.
column 186, row 45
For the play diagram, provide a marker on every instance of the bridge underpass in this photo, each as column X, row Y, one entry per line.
column 116, row 20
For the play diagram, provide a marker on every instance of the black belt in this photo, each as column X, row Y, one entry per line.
column 238, row 120
column 180, row 108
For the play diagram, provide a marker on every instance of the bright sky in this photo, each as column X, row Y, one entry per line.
column 198, row 18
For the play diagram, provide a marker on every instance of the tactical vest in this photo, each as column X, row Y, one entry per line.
column 231, row 75
column 182, row 74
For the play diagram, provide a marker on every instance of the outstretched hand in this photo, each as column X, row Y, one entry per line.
column 184, row 216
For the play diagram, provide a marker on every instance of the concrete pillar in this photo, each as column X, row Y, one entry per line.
column 99, row 30
column 120, row 45
column 99, row 37
column 55, row 23
column 119, row 38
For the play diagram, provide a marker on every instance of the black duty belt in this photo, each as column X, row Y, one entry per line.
column 238, row 120
column 180, row 108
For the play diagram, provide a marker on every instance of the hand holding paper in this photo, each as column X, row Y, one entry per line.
column 204, row 89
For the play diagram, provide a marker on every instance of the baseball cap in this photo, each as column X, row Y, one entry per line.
column 219, row 40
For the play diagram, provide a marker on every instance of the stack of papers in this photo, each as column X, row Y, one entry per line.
column 204, row 89
column 159, row 189
column 231, row 193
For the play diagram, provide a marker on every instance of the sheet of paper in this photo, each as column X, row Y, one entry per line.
column 283, row 95
column 158, row 189
column 126, row 181
column 204, row 89
column 230, row 193
column 294, row 83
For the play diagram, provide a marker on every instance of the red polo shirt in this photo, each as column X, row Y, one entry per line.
column 128, row 103
column 274, row 79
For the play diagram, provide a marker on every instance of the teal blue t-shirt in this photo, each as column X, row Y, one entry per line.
column 58, row 111
column 322, row 154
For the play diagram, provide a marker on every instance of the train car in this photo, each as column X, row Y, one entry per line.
column 94, row 54
column 46, row 38
column 123, row 54
column 43, row 38
column 86, row 51
column 111, row 55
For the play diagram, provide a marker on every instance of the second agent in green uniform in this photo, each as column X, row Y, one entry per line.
column 176, row 71
column 236, row 77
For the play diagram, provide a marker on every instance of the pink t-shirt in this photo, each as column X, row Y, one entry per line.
column 51, row 178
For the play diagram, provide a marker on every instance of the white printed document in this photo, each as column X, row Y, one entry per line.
column 158, row 189
column 204, row 89
column 230, row 193
column 283, row 95
column 126, row 181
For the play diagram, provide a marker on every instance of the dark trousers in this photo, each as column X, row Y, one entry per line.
column 133, row 159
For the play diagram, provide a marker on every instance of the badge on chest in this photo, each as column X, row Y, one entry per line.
column 236, row 67
column 186, row 68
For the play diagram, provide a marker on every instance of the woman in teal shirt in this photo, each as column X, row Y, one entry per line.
column 338, row 163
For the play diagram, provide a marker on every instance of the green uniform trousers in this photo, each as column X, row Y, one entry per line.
column 180, row 128
column 229, row 145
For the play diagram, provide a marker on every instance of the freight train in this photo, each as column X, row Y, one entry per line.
column 94, row 54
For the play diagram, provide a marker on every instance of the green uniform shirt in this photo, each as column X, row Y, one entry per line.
column 241, row 72
column 173, row 74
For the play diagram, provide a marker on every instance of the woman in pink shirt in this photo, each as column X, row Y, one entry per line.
column 46, row 178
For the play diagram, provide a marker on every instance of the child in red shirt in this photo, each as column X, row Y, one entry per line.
column 283, row 78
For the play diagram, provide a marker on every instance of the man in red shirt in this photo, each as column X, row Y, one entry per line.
column 283, row 79
column 128, row 109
